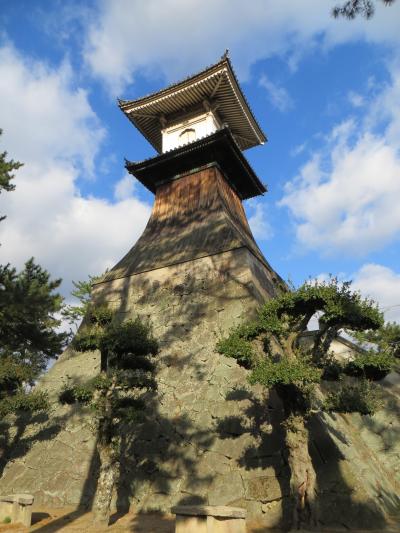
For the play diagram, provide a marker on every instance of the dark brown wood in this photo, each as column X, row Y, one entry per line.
column 220, row 148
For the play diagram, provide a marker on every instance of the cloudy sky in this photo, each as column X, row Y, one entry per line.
column 326, row 92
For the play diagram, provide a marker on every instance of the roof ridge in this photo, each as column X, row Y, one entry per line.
column 224, row 58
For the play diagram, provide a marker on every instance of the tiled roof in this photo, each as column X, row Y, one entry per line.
column 218, row 85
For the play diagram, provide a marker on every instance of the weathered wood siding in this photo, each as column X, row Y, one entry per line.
column 194, row 216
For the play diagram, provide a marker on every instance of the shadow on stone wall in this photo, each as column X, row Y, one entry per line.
column 157, row 443
column 90, row 482
column 146, row 448
column 20, row 432
column 342, row 500
column 266, row 476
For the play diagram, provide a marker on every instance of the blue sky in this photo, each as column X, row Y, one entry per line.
column 325, row 91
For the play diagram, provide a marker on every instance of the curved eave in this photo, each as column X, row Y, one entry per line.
column 217, row 84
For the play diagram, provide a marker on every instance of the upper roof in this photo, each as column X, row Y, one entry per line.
column 216, row 86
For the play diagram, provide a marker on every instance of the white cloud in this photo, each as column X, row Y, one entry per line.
column 44, row 117
column 381, row 284
column 278, row 95
column 124, row 188
column 377, row 282
column 176, row 37
column 346, row 198
column 50, row 126
column 356, row 99
column 258, row 221
column 298, row 149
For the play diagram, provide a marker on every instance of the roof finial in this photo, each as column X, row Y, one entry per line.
column 225, row 54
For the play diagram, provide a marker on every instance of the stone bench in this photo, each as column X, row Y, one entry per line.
column 18, row 507
column 209, row 519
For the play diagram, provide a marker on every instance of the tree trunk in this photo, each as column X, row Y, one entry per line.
column 107, row 450
column 303, row 478
column 105, row 484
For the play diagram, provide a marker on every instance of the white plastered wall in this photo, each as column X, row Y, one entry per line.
column 189, row 130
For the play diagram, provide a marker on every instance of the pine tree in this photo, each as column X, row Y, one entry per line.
column 82, row 292
column 28, row 336
column 118, row 394
column 273, row 348
column 353, row 8
column 6, row 176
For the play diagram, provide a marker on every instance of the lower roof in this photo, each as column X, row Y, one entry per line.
column 218, row 148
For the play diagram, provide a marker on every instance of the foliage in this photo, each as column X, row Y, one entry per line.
column 12, row 374
column 76, row 393
column 83, row 292
column 372, row 365
column 7, row 520
column 386, row 338
column 6, row 175
column 350, row 9
column 272, row 346
column 237, row 347
column 332, row 368
column 128, row 344
column 28, row 336
column 285, row 372
column 28, row 306
column 22, row 401
column 282, row 357
column 360, row 396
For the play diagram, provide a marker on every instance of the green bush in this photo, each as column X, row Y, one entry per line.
column 237, row 347
column 125, row 344
column 297, row 372
column 88, row 338
column 332, row 369
column 7, row 520
column 101, row 315
column 23, row 401
column 358, row 397
column 372, row 365
column 78, row 393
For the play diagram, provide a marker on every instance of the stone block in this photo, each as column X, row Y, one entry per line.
column 18, row 507
column 265, row 489
column 226, row 488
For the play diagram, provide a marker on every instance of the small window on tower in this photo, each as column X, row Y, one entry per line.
column 187, row 136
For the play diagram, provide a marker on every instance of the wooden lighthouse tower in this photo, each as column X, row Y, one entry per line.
column 200, row 176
